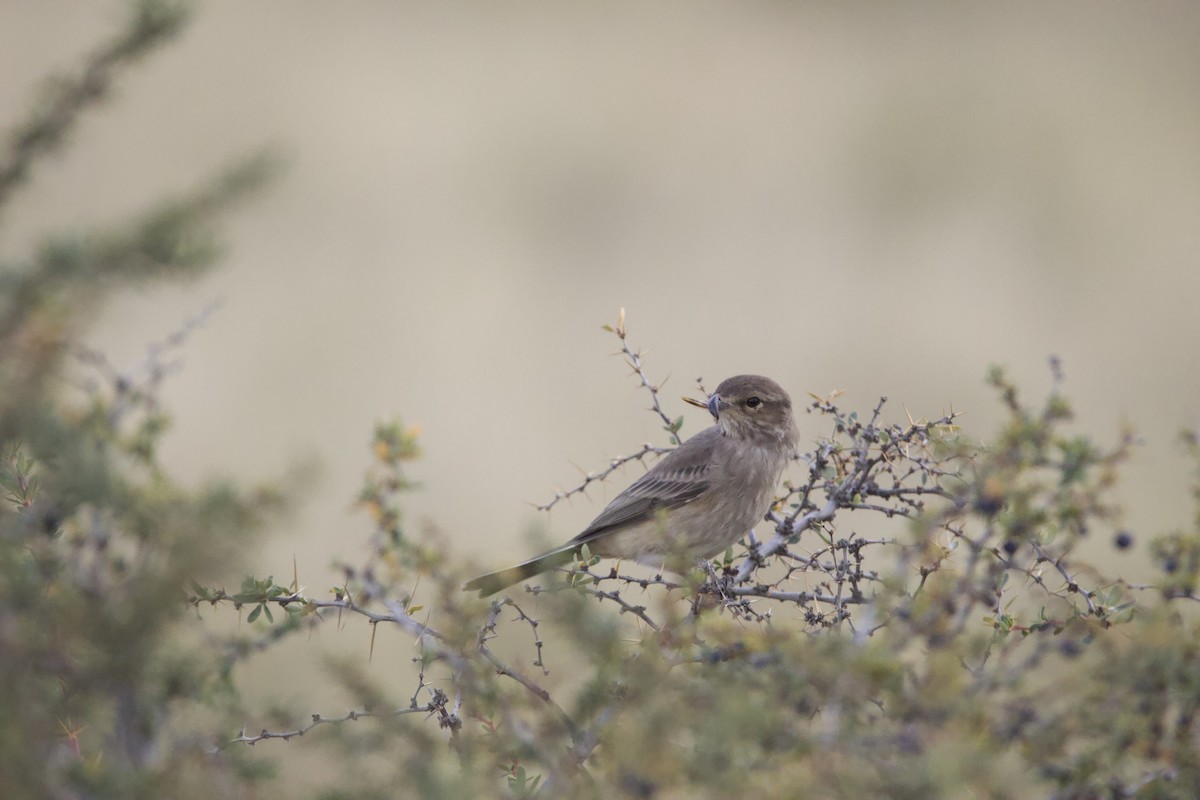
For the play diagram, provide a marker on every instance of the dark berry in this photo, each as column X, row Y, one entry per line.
column 990, row 498
column 988, row 505
column 1123, row 540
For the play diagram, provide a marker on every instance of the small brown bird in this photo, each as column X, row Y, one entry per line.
column 699, row 499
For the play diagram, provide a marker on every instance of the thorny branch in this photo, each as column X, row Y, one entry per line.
column 602, row 475
column 634, row 359
column 487, row 632
column 437, row 706
column 433, row 645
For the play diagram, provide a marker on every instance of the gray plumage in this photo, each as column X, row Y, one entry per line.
column 699, row 499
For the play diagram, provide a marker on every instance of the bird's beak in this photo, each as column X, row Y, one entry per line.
column 713, row 405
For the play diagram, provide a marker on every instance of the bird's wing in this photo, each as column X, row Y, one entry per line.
column 682, row 476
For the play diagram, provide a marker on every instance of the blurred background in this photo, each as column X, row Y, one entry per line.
column 883, row 199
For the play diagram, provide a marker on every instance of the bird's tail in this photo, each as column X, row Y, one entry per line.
column 495, row 581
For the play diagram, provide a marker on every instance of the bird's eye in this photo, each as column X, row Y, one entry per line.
column 754, row 402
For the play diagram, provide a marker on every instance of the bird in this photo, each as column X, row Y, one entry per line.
column 699, row 499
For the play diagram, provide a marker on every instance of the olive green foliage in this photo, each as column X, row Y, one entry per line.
column 97, row 542
column 919, row 622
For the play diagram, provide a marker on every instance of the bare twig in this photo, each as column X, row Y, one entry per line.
column 435, row 706
column 634, row 359
column 601, row 475
column 486, row 632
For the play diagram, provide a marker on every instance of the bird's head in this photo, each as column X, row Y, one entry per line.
column 752, row 407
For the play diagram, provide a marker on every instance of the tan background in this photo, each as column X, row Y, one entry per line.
column 882, row 199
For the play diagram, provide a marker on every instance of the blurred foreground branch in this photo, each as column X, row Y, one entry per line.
column 68, row 96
